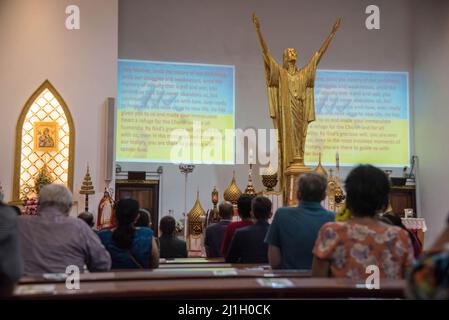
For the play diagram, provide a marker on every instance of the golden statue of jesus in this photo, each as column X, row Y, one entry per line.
column 290, row 99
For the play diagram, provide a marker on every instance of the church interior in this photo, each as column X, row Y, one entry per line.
column 224, row 149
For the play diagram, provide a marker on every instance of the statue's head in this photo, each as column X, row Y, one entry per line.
column 290, row 56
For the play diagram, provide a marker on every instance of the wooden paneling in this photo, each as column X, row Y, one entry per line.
column 145, row 192
column 403, row 198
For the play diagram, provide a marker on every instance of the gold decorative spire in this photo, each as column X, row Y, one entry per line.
column 214, row 214
column 269, row 178
column 87, row 187
column 320, row 169
column 232, row 192
column 249, row 190
column 195, row 216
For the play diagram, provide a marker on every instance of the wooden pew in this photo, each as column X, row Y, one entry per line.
column 184, row 261
column 222, row 288
column 168, row 274
column 204, row 263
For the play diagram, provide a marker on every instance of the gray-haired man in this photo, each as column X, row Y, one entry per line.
column 52, row 240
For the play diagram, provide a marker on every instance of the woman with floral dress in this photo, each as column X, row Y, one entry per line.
column 347, row 249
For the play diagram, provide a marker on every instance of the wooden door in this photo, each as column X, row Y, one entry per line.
column 146, row 193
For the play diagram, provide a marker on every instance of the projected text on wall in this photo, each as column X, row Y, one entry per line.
column 364, row 115
column 156, row 99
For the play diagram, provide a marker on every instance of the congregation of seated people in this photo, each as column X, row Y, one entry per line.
column 304, row 237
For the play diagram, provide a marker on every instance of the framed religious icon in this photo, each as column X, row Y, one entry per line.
column 46, row 136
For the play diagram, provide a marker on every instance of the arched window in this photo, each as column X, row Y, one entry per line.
column 45, row 139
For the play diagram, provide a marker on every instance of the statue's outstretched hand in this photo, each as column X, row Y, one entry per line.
column 256, row 21
column 336, row 25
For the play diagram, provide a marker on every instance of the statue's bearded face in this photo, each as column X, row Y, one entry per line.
column 291, row 55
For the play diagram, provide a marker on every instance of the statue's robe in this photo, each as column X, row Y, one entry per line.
column 291, row 106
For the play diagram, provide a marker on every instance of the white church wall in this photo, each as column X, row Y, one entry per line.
column 221, row 32
column 431, row 65
column 81, row 64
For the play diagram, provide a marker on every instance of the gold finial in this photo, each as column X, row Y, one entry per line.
column 214, row 196
column 249, row 190
column 320, row 169
column 232, row 192
column 195, row 216
column 214, row 214
column 87, row 186
column 269, row 178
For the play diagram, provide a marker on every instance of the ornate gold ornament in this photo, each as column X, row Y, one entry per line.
column 232, row 192
column 87, row 189
column 195, row 218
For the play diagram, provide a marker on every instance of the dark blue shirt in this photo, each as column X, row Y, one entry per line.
column 171, row 247
column 248, row 246
column 139, row 251
column 294, row 231
column 214, row 238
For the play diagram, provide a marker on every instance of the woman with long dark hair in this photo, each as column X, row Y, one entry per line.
column 130, row 247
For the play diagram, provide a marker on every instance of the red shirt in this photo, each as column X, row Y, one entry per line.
column 229, row 233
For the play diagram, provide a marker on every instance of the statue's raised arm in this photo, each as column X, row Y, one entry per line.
column 259, row 34
column 328, row 40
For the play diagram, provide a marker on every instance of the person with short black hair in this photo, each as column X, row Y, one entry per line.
column 293, row 231
column 144, row 219
column 87, row 217
column 130, row 247
column 346, row 249
column 247, row 245
column 171, row 247
column 215, row 232
column 244, row 210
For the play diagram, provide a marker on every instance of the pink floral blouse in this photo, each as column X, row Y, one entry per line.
column 353, row 245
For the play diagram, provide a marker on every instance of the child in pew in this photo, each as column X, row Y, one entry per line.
column 248, row 245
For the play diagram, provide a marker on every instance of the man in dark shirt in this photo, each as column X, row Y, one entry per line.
column 244, row 209
column 247, row 245
column 215, row 232
column 170, row 246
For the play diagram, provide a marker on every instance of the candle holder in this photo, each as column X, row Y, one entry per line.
column 87, row 189
column 214, row 214
column 185, row 169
